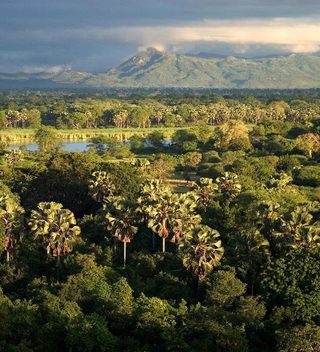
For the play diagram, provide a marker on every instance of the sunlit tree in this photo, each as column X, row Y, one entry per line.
column 201, row 251
column 120, row 223
column 11, row 217
column 54, row 227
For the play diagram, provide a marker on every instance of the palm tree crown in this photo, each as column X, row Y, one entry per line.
column 201, row 250
column 55, row 227
column 11, row 215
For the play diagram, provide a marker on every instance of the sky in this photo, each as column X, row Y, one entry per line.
column 95, row 35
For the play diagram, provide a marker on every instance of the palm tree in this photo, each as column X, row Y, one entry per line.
column 14, row 156
column 228, row 185
column 55, row 227
column 155, row 203
column 252, row 251
column 102, row 187
column 185, row 217
column 141, row 163
column 159, row 215
column 120, row 118
column 150, row 191
column 268, row 211
column 298, row 229
column 201, row 251
column 11, row 216
column 13, row 118
column 279, row 181
column 309, row 143
column 168, row 214
column 120, row 224
column 205, row 191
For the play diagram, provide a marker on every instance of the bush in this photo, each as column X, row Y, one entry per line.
column 300, row 338
column 253, row 171
column 211, row 157
column 268, row 127
column 230, row 157
column 307, row 176
column 287, row 163
column 290, row 285
column 90, row 333
column 279, row 145
column 211, row 170
column 191, row 160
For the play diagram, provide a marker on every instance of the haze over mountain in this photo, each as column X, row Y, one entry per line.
column 155, row 69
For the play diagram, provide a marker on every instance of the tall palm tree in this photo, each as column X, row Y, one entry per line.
column 102, row 187
column 205, row 191
column 159, row 215
column 168, row 214
column 252, row 251
column 120, row 223
column 201, row 251
column 11, row 216
column 55, row 227
column 155, row 205
column 184, row 217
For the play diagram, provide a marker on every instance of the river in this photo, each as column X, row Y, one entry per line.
column 67, row 146
column 80, row 146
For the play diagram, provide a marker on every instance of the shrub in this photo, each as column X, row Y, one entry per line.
column 307, row 176
column 211, row 157
column 287, row 163
column 211, row 170
column 279, row 145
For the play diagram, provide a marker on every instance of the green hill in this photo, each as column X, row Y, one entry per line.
column 154, row 69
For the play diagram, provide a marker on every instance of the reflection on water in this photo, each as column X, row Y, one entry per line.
column 68, row 146
column 81, row 146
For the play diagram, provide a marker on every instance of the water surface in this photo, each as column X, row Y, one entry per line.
column 67, row 146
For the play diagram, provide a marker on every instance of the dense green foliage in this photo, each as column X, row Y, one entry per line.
column 272, row 113
column 208, row 243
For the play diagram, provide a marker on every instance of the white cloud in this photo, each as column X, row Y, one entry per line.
column 33, row 69
column 44, row 69
column 296, row 34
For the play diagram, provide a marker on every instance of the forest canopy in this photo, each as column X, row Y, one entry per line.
column 206, row 240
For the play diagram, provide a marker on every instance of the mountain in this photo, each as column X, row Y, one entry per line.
column 44, row 79
column 154, row 69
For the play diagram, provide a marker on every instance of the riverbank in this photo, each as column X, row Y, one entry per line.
column 23, row 135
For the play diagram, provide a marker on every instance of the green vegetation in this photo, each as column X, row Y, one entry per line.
column 155, row 69
column 208, row 243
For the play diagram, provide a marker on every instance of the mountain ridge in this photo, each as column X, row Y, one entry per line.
column 152, row 68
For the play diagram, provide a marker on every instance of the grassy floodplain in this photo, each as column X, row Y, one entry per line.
column 18, row 135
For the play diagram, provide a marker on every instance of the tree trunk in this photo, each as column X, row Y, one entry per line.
column 163, row 244
column 124, row 254
column 199, row 286
column 310, row 153
column 8, row 256
column 58, row 267
column 153, row 241
column 114, row 246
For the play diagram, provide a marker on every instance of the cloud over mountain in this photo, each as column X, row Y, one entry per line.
column 92, row 35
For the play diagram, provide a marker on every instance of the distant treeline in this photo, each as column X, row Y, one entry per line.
column 70, row 110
